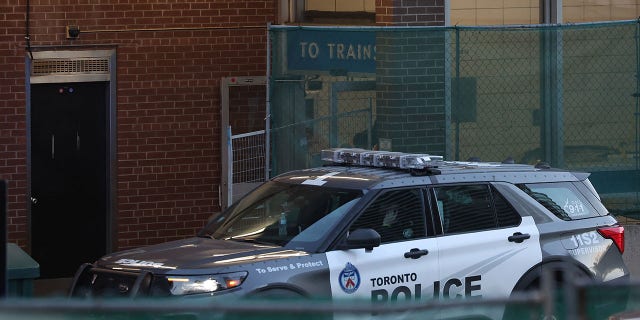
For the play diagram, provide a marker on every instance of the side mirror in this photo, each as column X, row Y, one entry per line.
column 362, row 238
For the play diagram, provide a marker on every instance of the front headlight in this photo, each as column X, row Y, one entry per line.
column 181, row 285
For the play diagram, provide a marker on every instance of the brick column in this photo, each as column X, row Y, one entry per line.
column 410, row 69
column 410, row 12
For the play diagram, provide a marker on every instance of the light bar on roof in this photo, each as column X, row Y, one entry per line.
column 418, row 161
column 342, row 155
column 371, row 158
column 383, row 159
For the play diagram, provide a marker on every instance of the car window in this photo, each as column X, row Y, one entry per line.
column 506, row 214
column 283, row 214
column 396, row 215
column 563, row 199
column 588, row 191
column 466, row 208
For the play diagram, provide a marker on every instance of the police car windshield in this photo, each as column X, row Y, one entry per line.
column 283, row 214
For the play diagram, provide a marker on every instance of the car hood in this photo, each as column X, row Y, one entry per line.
column 193, row 254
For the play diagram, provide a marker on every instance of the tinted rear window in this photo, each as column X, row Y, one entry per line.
column 565, row 200
column 471, row 207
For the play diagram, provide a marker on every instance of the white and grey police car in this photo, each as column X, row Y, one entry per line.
column 381, row 226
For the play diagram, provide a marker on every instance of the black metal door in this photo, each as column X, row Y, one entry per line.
column 68, row 175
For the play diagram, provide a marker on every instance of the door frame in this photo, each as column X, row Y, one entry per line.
column 225, row 196
column 51, row 66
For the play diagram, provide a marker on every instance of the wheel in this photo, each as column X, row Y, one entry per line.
column 552, row 280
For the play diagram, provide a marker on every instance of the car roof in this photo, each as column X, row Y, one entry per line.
column 440, row 172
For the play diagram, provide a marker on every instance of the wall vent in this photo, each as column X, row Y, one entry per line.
column 70, row 66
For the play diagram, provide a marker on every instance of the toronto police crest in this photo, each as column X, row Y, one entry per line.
column 349, row 278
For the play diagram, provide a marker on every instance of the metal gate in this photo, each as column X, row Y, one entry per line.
column 247, row 163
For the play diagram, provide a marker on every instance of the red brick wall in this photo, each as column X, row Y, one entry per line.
column 13, row 140
column 170, row 57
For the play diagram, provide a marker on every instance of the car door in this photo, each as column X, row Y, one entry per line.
column 405, row 265
column 486, row 246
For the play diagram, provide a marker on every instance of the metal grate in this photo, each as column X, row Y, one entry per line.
column 70, row 66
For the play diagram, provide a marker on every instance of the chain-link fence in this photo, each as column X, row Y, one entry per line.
column 575, row 301
column 562, row 94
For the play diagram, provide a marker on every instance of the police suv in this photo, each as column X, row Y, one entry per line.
column 382, row 226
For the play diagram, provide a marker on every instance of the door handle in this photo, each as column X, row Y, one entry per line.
column 518, row 237
column 416, row 253
column 33, row 200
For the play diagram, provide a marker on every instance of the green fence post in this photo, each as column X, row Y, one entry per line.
column 457, row 134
